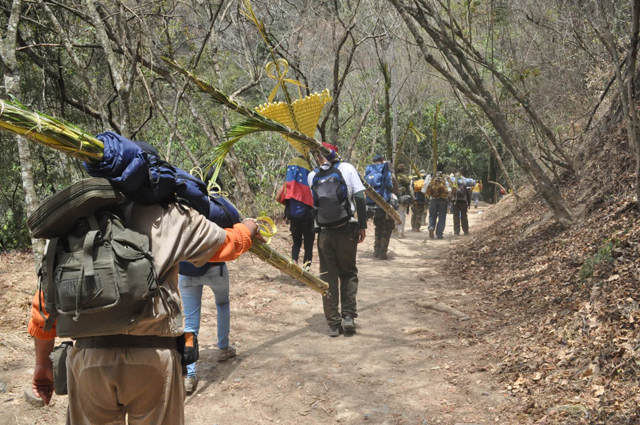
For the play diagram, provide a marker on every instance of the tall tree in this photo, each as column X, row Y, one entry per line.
column 12, row 88
column 459, row 68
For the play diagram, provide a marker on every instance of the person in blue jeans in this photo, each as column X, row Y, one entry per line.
column 191, row 281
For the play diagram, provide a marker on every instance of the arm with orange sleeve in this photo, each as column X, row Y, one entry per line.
column 36, row 323
column 42, row 381
column 237, row 242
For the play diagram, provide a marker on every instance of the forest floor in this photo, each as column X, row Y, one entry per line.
column 405, row 365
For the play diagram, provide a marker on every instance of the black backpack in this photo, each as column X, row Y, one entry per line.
column 331, row 204
column 97, row 275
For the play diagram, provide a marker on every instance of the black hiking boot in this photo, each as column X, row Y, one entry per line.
column 383, row 257
column 349, row 324
column 431, row 233
column 335, row 330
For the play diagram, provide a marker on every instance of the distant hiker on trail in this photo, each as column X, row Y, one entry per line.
column 132, row 370
column 469, row 183
column 298, row 200
column 459, row 208
column 405, row 197
column 438, row 189
column 191, row 281
column 424, row 175
column 419, row 202
column 476, row 192
column 338, row 194
column 379, row 176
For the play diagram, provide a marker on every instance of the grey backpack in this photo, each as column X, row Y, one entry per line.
column 97, row 275
column 331, row 204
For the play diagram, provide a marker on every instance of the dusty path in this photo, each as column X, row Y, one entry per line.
column 405, row 364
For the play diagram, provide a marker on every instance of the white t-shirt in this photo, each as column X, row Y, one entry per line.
column 351, row 178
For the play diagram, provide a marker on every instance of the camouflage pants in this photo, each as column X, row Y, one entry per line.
column 417, row 211
column 384, row 227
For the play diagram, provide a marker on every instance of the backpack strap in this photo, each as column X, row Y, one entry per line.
column 50, row 295
column 87, row 253
column 87, row 271
column 127, row 210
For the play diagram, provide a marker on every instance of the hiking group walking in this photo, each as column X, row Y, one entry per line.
column 121, row 272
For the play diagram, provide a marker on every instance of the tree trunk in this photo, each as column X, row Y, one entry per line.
column 354, row 138
column 387, row 110
column 541, row 182
column 631, row 89
column 12, row 87
column 470, row 83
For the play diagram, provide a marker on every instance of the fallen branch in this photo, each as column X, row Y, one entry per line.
column 499, row 185
column 443, row 308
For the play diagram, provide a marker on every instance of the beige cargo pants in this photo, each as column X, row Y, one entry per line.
column 143, row 385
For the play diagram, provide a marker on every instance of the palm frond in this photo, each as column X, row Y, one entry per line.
column 217, row 95
column 286, row 265
column 415, row 168
column 254, row 123
column 220, row 152
column 48, row 131
column 379, row 200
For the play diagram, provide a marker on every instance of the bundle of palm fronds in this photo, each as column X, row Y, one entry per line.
column 53, row 133
column 287, row 266
column 414, row 166
column 255, row 122
column 48, row 131
column 379, row 200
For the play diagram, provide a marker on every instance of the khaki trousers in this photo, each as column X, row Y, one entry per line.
column 107, row 385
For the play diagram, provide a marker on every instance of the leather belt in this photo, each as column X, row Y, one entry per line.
column 127, row 341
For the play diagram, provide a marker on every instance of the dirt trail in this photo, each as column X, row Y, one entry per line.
column 405, row 364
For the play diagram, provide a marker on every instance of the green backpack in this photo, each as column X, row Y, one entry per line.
column 97, row 275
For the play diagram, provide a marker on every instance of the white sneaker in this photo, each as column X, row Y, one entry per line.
column 190, row 384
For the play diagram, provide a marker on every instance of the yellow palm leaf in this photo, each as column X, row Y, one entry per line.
column 307, row 113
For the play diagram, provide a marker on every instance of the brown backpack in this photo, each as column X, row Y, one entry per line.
column 438, row 187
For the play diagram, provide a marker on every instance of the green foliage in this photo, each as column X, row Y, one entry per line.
column 602, row 256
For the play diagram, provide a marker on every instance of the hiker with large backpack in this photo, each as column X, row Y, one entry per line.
column 438, row 189
column 420, row 201
column 379, row 176
column 405, row 197
column 460, row 207
column 296, row 196
column 338, row 194
column 109, row 281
